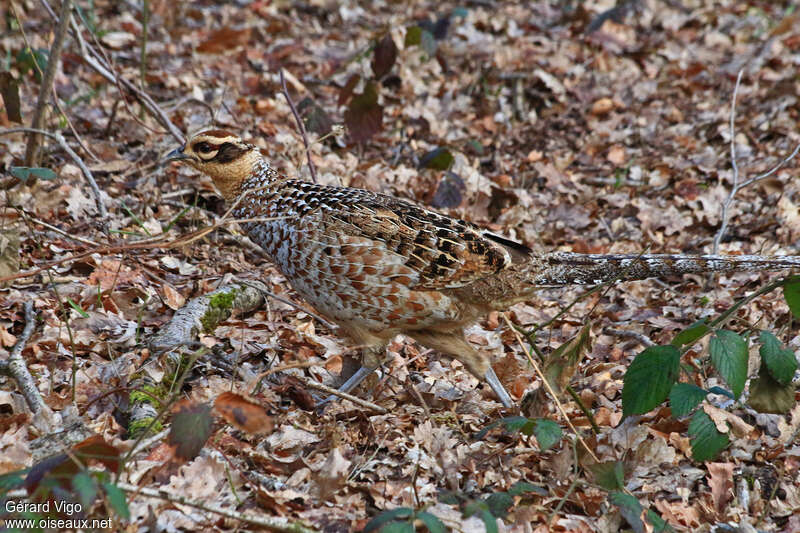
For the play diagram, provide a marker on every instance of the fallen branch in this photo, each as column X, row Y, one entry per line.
column 311, row 168
column 204, row 313
column 642, row 339
column 98, row 199
column 34, row 136
column 15, row 367
column 270, row 523
column 355, row 399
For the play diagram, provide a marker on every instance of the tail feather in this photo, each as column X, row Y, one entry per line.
column 565, row 268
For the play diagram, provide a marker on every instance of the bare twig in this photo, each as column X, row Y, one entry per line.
column 726, row 205
column 96, row 61
column 736, row 185
column 355, row 399
column 66, row 234
column 268, row 522
column 34, row 138
column 311, row 168
column 101, row 208
column 771, row 171
column 16, row 368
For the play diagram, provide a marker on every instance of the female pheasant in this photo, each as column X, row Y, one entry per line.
column 378, row 266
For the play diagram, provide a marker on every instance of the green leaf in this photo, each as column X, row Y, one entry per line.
column 12, row 480
column 28, row 59
column 791, row 292
column 191, row 427
column 649, row 379
column 385, row 517
column 630, row 509
column 117, row 500
column 416, row 36
column 437, row 159
column 432, row 522
column 704, row 437
column 85, row 488
column 684, row 397
column 721, row 392
column 609, row 475
column 729, row 356
column 659, row 524
column 767, row 395
column 398, row 527
column 78, row 308
column 521, row 487
column 691, row 334
column 489, row 521
column 25, row 173
column 780, row 362
column 499, row 503
column 547, row 433
column 511, row 424
column 413, row 36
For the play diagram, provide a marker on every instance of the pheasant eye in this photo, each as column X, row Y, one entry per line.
column 203, row 147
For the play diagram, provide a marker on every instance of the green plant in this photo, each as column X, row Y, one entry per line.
column 654, row 374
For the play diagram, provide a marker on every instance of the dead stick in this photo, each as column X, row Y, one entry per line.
column 355, row 399
column 16, row 368
column 35, row 139
column 311, row 168
column 268, row 522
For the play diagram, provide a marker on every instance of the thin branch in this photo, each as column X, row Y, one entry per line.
column 549, row 388
column 355, row 399
column 311, row 168
column 644, row 340
column 773, row 170
column 16, row 368
column 34, row 138
column 98, row 199
column 735, row 188
column 736, row 185
column 93, row 58
column 66, row 234
column 268, row 522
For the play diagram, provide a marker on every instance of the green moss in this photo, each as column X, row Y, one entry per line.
column 147, row 394
column 136, row 427
column 219, row 308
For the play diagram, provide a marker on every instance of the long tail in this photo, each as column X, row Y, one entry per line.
column 564, row 268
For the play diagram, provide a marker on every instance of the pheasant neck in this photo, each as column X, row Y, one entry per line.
column 249, row 171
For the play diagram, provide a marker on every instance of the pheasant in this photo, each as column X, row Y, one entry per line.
column 378, row 266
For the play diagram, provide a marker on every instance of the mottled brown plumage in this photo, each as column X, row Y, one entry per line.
column 378, row 266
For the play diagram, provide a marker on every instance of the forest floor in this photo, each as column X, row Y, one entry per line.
column 562, row 125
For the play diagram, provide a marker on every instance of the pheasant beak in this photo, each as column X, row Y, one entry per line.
column 177, row 155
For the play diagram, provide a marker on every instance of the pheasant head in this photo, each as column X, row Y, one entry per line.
column 221, row 155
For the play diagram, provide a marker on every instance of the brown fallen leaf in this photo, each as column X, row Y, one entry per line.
column 243, row 413
column 720, row 479
column 224, row 40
